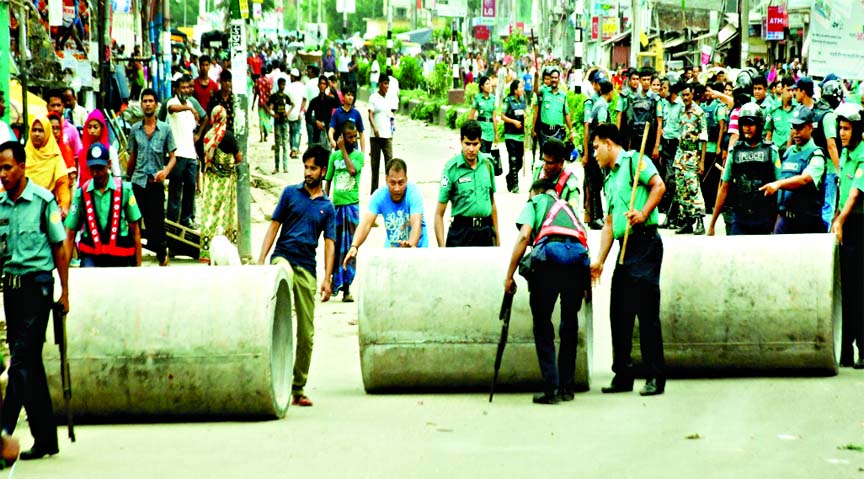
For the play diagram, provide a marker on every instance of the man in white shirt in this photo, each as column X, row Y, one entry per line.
column 297, row 93
column 77, row 113
column 381, row 140
column 183, row 119
column 392, row 98
column 311, row 93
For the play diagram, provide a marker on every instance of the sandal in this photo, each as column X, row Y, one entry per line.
column 301, row 400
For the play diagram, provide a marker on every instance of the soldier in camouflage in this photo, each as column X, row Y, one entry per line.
column 689, row 162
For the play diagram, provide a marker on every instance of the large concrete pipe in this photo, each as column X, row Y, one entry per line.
column 741, row 304
column 190, row 342
column 429, row 320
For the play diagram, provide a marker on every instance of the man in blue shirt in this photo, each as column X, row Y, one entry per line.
column 401, row 205
column 343, row 115
column 303, row 213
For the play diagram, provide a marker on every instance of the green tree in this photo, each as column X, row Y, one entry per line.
column 516, row 45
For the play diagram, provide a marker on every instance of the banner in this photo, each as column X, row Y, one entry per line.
column 595, row 28
column 488, row 8
column 609, row 27
column 774, row 25
column 837, row 39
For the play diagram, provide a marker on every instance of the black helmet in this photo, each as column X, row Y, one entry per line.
column 751, row 112
column 743, row 83
column 832, row 92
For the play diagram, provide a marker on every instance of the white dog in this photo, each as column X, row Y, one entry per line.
column 223, row 252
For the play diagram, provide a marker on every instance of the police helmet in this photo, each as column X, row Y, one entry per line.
column 751, row 112
column 743, row 83
column 832, row 92
column 849, row 112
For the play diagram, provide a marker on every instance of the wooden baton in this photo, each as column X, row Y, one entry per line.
column 633, row 192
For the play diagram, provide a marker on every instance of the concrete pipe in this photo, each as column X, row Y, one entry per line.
column 428, row 320
column 750, row 304
column 182, row 342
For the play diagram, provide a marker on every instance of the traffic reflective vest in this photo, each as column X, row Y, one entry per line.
column 561, row 221
column 118, row 245
column 805, row 201
column 752, row 168
column 562, row 179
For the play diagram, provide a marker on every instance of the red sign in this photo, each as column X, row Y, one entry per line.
column 481, row 32
column 775, row 23
column 595, row 28
column 488, row 8
column 520, row 27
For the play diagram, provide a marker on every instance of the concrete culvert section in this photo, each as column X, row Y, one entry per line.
column 146, row 343
column 428, row 320
column 750, row 305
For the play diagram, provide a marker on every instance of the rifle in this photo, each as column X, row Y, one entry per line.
column 60, row 341
column 504, row 315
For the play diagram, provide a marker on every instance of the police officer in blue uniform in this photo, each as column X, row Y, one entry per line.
column 559, row 267
column 31, row 246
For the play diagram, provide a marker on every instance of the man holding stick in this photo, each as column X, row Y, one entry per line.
column 636, row 280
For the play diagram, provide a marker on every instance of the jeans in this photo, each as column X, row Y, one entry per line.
column 378, row 147
column 151, row 201
column 281, row 132
column 830, row 201
column 181, row 191
column 310, row 133
column 294, row 128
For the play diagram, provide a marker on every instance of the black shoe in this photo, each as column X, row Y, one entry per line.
column 596, row 225
column 685, row 230
column 617, row 388
column 545, row 398
column 37, row 453
column 653, row 387
column 859, row 364
column 565, row 395
column 700, row 227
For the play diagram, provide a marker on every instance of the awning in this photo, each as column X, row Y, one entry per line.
column 727, row 33
column 616, row 39
column 676, row 42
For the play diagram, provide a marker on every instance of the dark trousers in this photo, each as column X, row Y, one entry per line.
column 151, row 201
column 181, row 191
column 668, row 149
column 852, row 277
column 486, row 146
column 515, row 156
column 551, row 279
column 593, row 188
column 27, row 311
column 636, row 292
column 463, row 235
column 799, row 225
column 105, row 261
column 741, row 226
column 378, row 147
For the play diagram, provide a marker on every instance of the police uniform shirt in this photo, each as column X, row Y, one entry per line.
column 554, row 107
column 468, row 189
column 534, row 213
column 618, row 187
column 815, row 168
column 485, row 107
column 778, row 122
column 727, row 170
column 30, row 226
column 600, row 111
column 852, row 175
column 588, row 107
column 102, row 202
column 623, row 98
column 672, row 117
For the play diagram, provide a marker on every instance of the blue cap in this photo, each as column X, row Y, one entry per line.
column 97, row 155
column 801, row 116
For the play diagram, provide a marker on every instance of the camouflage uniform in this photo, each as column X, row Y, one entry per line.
column 688, row 194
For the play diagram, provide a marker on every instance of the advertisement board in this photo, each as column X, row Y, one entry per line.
column 837, row 39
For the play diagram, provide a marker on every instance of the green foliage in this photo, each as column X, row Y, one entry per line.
column 363, row 73
column 409, row 73
column 445, row 34
column 379, row 43
column 516, row 45
column 470, row 92
column 439, row 82
column 576, row 104
column 462, row 118
column 407, row 95
column 428, row 111
column 451, row 118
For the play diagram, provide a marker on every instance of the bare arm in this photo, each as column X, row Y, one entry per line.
column 797, row 181
column 269, row 238
column 439, row 224
column 606, row 238
column 722, row 192
column 329, row 256
column 840, row 220
column 832, row 152
column 61, row 261
column 518, row 252
column 136, row 235
column 495, row 220
column 130, row 164
column 472, row 115
column 416, row 229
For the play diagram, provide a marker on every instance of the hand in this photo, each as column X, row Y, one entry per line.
column 710, row 231
column 837, row 229
column 352, row 253
column 635, row 217
column 509, row 285
column 770, row 188
column 517, row 124
column 495, row 141
column 596, row 271
column 404, row 244
column 533, row 134
column 325, row 291
column 160, row 176
column 724, row 157
column 64, row 300
column 261, row 261
column 656, row 153
column 375, row 132
column 700, row 169
column 319, row 124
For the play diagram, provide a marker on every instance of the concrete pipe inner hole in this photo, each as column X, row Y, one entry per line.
column 281, row 350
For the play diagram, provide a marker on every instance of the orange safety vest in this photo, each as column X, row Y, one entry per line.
column 92, row 244
column 557, row 224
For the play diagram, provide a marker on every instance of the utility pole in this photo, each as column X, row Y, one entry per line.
column 237, row 49
column 23, row 66
column 388, row 61
column 455, row 54
column 635, row 30
column 744, row 28
column 104, row 13
column 5, row 56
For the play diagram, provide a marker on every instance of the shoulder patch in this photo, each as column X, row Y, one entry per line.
column 445, row 181
column 55, row 217
column 859, row 173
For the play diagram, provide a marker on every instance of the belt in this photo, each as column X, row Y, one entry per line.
column 561, row 239
column 791, row 215
column 472, row 222
column 18, row 281
column 484, row 118
column 643, row 230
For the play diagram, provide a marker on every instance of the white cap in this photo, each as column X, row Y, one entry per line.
column 295, row 72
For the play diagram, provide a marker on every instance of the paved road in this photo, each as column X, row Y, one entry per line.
column 757, row 427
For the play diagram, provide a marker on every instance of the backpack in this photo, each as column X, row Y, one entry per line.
column 642, row 110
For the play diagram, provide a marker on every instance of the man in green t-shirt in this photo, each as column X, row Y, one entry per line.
column 559, row 267
column 343, row 186
column 636, row 282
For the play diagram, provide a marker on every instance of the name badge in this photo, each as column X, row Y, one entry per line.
column 518, row 112
column 815, row 125
column 466, row 179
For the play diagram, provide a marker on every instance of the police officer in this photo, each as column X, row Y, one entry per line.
column 752, row 163
column 689, row 162
column 636, row 283
column 565, row 179
column 553, row 112
column 593, row 174
column 644, row 107
column 104, row 210
column 849, row 228
column 468, row 183
column 559, row 267
column 630, row 88
column 31, row 246
column 483, row 110
column 802, row 175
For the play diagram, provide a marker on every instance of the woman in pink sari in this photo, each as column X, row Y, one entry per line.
column 96, row 131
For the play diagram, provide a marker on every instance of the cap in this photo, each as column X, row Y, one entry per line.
column 805, row 84
column 177, row 76
column 97, row 155
column 801, row 116
column 295, row 72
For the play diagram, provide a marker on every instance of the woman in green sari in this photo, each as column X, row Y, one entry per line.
column 219, row 182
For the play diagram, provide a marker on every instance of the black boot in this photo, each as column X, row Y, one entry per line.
column 687, row 227
column 700, row 226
